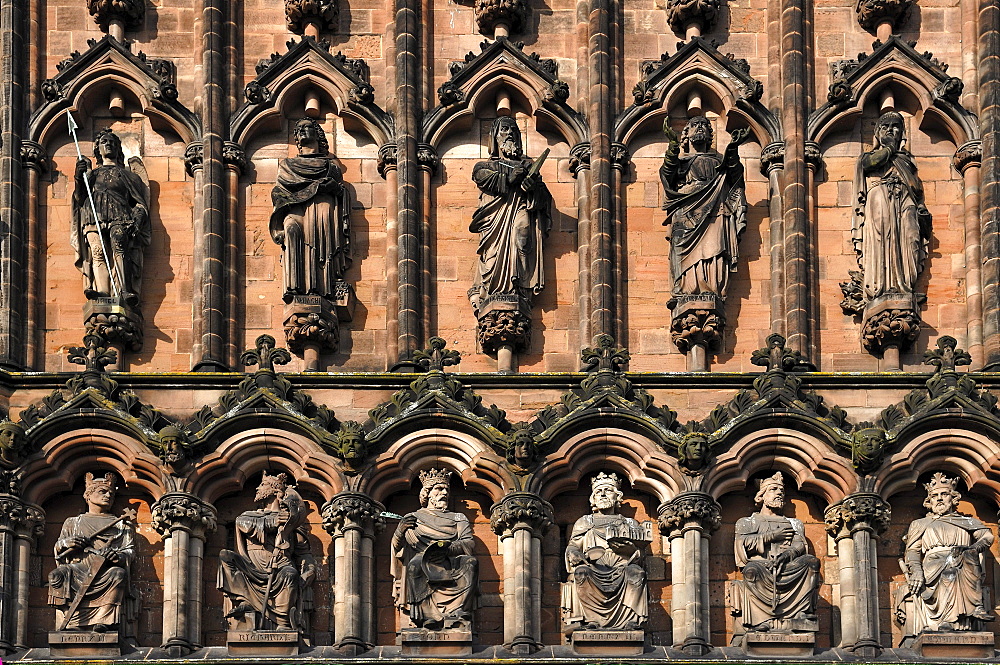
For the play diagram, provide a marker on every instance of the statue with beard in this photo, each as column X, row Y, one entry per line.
column 512, row 220
column 780, row 578
column 943, row 564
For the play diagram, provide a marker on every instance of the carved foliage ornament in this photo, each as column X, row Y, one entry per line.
column 861, row 511
column 682, row 13
column 299, row 13
column 490, row 13
column 351, row 510
column 521, row 510
column 182, row 511
column 129, row 12
column 872, row 12
column 690, row 507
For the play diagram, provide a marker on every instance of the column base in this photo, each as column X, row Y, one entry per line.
column 957, row 644
column 262, row 643
column 84, row 644
column 423, row 642
column 695, row 646
column 782, row 645
column 608, row 642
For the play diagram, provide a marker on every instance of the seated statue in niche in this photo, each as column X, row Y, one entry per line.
column 311, row 218
column 268, row 577
column 92, row 582
column 780, row 578
column 121, row 227
column 436, row 575
column 943, row 565
column 604, row 558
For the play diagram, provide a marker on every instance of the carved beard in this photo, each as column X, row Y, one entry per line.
column 510, row 149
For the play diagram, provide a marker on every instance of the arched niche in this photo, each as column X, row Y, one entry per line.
column 64, row 500
column 468, row 499
column 316, row 600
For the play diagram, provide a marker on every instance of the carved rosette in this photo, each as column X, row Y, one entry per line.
column 181, row 511
column 864, row 511
column 129, row 12
column 890, row 327
column 683, row 13
column 873, row 12
column 697, row 325
column 520, row 510
column 504, row 327
column 115, row 325
column 491, row 13
column 968, row 154
column 352, row 510
column 304, row 329
column 300, row 13
column 689, row 510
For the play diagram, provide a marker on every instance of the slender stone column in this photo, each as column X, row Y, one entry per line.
column 967, row 161
column 989, row 122
column 353, row 519
column 689, row 520
column 602, row 113
column 235, row 160
column 520, row 519
column 34, row 161
column 429, row 162
column 183, row 520
column 387, row 169
column 855, row 524
column 20, row 522
column 26, row 534
column 579, row 166
column 772, row 159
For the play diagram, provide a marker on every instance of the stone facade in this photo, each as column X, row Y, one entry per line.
column 211, row 379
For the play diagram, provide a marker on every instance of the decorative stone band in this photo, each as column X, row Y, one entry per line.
column 352, row 510
column 179, row 510
column 520, row 510
column 690, row 510
column 862, row 511
column 23, row 519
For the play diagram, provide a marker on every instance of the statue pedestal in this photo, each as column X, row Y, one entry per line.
column 891, row 325
column 608, row 642
column 423, row 642
column 312, row 327
column 696, row 326
column 779, row 644
column 954, row 645
column 262, row 642
column 84, row 644
column 116, row 322
column 504, row 320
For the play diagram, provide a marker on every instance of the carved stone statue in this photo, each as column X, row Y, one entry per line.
column 92, row 582
column 705, row 200
column 943, row 565
column 121, row 227
column 607, row 583
column 311, row 217
column 780, row 578
column 512, row 220
column 890, row 230
column 436, row 575
column 268, row 577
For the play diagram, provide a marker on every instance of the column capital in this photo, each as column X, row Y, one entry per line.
column 352, row 510
column 772, row 157
column 182, row 511
column 689, row 510
column 862, row 511
column 33, row 156
column 234, row 156
column 520, row 510
column 21, row 518
column 968, row 154
column 194, row 157
column 387, row 158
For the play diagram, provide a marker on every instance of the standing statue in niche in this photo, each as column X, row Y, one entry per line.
column 706, row 204
column 92, row 582
column 436, row 575
column 513, row 218
column 607, row 583
column 268, row 577
column 891, row 229
column 121, row 226
column 311, row 218
column 943, row 565
column 780, row 578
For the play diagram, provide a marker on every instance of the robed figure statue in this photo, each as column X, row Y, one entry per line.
column 607, row 582
column 943, row 565
column 92, row 582
column 114, row 224
column 311, row 218
column 436, row 575
column 268, row 577
column 780, row 577
column 706, row 204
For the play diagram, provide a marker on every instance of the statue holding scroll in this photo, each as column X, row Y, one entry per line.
column 780, row 577
column 607, row 583
column 436, row 575
column 943, row 564
column 268, row 577
column 92, row 582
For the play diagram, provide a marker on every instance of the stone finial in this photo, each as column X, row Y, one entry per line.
column 947, row 356
column 266, row 355
column 776, row 356
column 682, row 14
column 130, row 13
column 94, row 355
column 861, row 511
column 521, row 510
column 690, row 508
column 873, row 12
column 437, row 356
column 352, row 510
column 324, row 14
column 605, row 355
column 501, row 17
column 180, row 511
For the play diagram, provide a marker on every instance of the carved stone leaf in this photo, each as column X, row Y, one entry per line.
column 495, row 415
column 203, row 418
column 915, row 401
column 890, row 417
